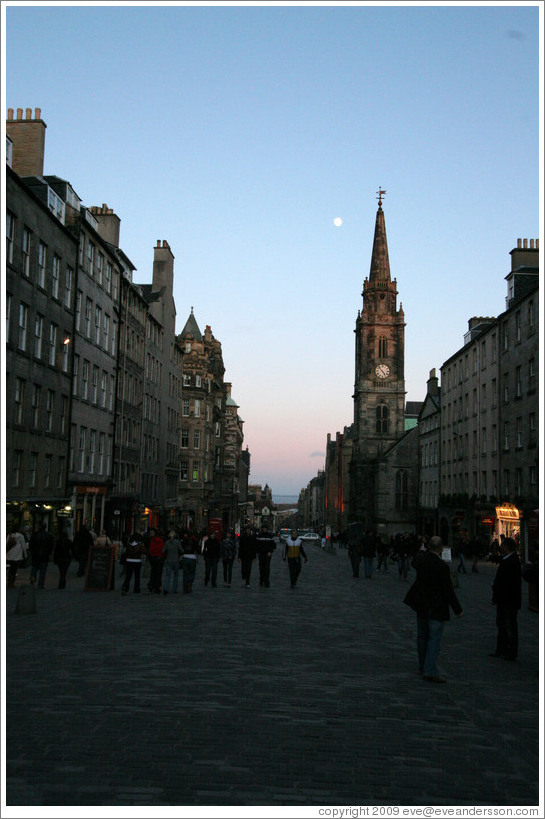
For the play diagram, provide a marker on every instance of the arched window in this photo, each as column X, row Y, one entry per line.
column 402, row 490
column 382, row 418
column 382, row 347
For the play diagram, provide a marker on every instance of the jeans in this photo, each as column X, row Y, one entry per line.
column 462, row 564
column 382, row 561
column 211, row 570
column 189, row 567
column 171, row 569
column 368, row 566
column 40, row 570
column 228, row 570
column 403, row 566
column 429, row 634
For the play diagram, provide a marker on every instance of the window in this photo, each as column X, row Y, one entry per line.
column 382, row 347
column 98, row 324
column 483, row 398
column 81, row 448
column 94, row 394
column 108, row 277
column 531, row 315
column 506, row 435
column 56, row 276
column 16, row 467
column 475, row 403
column 506, row 482
column 90, row 257
column 187, row 381
column 100, row 267
column 483, row 440
column 195, row 471
column 184, row 438
column 382, row 418
column 185, row 407
column 64, row 414
column 402, row 490
column 483, row 354
column 506, row 388
column 49, row 410
column 474, row 360
column 8, row 314
column 92, row 441
column 101, row 442
column 518, row 330
column 106, row 332
column 19, row 400
column 85, row 379
column 38, row 335
column 531, row 374
column 533, row 476
column 36, row 400
column 111, row 393
column 33, row 468
column 23, row 323
column 519, row 432
column 47, row 470
column 68, row 284
column 88, row 310
column 26, row 252
column 52, row 343
column 198, row 381
column 218, row 429
column 75, row 376
column 197, row 408
column 494, row 438
column 10, row 234
column 184, row 466
column 79, row 299
column 518, row 382
column 103, row 382
column 42, row 262
column 197, row 439
column 494, row 347
column 494, row 392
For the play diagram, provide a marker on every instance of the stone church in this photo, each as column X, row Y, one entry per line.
column 383, row 466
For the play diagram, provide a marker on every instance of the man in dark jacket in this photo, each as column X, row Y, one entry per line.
column 430, row 597
column 211, row 552
column 41, row 545
column 506, row 595
column 265, row 546
column 82, row 543
column 246, row 554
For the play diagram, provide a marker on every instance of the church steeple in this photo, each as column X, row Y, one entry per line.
column 380, row 263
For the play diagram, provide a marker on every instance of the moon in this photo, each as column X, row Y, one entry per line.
column 337, row 221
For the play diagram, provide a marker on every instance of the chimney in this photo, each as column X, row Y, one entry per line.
column 108, row 223
column 433, row 383
column 28, row 138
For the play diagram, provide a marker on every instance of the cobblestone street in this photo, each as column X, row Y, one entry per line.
column 266, row 697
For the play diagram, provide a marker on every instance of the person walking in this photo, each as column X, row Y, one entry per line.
column 265, row 546
column 507, row 597
column 431, row 596
column 189, row 563
column 16, row 554
column 228, row 554
column 41, row 545
column 134, row 553
column 156, row 560
column 383, row 551
column 354, row 553
column 82, row 543
column 62, row 555
column 293, row 550
column 463, row 552
column 211, row 553
column 172, row 550
column 403, row 555
column 246, row 554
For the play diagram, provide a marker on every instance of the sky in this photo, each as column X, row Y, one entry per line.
column 239, row 133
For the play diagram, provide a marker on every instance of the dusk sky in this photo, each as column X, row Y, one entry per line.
column 239, row 133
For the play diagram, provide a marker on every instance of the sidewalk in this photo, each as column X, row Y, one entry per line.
column 238, row 697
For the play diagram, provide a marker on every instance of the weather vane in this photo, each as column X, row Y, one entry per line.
column 380, row 195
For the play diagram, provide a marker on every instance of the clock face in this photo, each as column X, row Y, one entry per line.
column 382, row 371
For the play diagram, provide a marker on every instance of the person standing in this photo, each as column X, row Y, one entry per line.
column 82, row 543
column 156, row 560
column 16, row 554
column 189, row 563
column 172, row 549
column 62, row 555
column 507, row 597
column 431, row 596
column 293, row 550
column 383, row 551
column 354, row 553
column 369, row 551
column 134, row 553
column 211, row 553
column 246, row 554
column 265, row 546
column 228, row 554
column 41, row 545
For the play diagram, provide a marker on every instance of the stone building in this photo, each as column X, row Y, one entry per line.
column 490, row 414
column 383, row 467
column 429, row 444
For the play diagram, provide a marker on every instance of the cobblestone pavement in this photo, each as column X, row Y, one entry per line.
column 265, row 696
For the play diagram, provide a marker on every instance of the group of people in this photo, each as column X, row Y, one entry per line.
column 399, row 549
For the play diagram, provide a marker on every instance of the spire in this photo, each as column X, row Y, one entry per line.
column 380, row 263
column 192, row 328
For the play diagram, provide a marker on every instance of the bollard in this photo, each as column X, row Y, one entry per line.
column 26, row 600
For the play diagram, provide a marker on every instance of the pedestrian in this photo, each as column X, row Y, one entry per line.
column 431, row 596
column 354, row 553
column 463, row 552
column 476, row 550
column 507, row 597
column 156, row 560
column 189, row 563
column 403, row 555
column 16, row 554
column 211, row 553
column 383, row 552
column 368, row 550
column 102, row 540
column 293, row 549
column 134, row 553
column 265, row 546
column 62, row 556
column 41, row 545
column 172, row 549
column 246, row 554
column 82, row 543
column 228, row 554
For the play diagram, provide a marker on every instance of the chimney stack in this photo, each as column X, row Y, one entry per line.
column 28, row 138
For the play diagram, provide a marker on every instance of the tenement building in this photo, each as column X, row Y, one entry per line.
column 489, row 415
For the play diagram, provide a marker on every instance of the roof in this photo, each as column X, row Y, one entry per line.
column 380, row 263
column 192, row 328
column 410, row 423
column 413, row 408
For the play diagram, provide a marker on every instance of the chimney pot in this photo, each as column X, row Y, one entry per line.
column 29, row 113
column 525, row 243
column 531, row 243
column 10, row 113
column 19, row 113
column 38, row 113
column 158, row 243
column 519, row 243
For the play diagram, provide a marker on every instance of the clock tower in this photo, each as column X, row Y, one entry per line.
column 379, row 388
